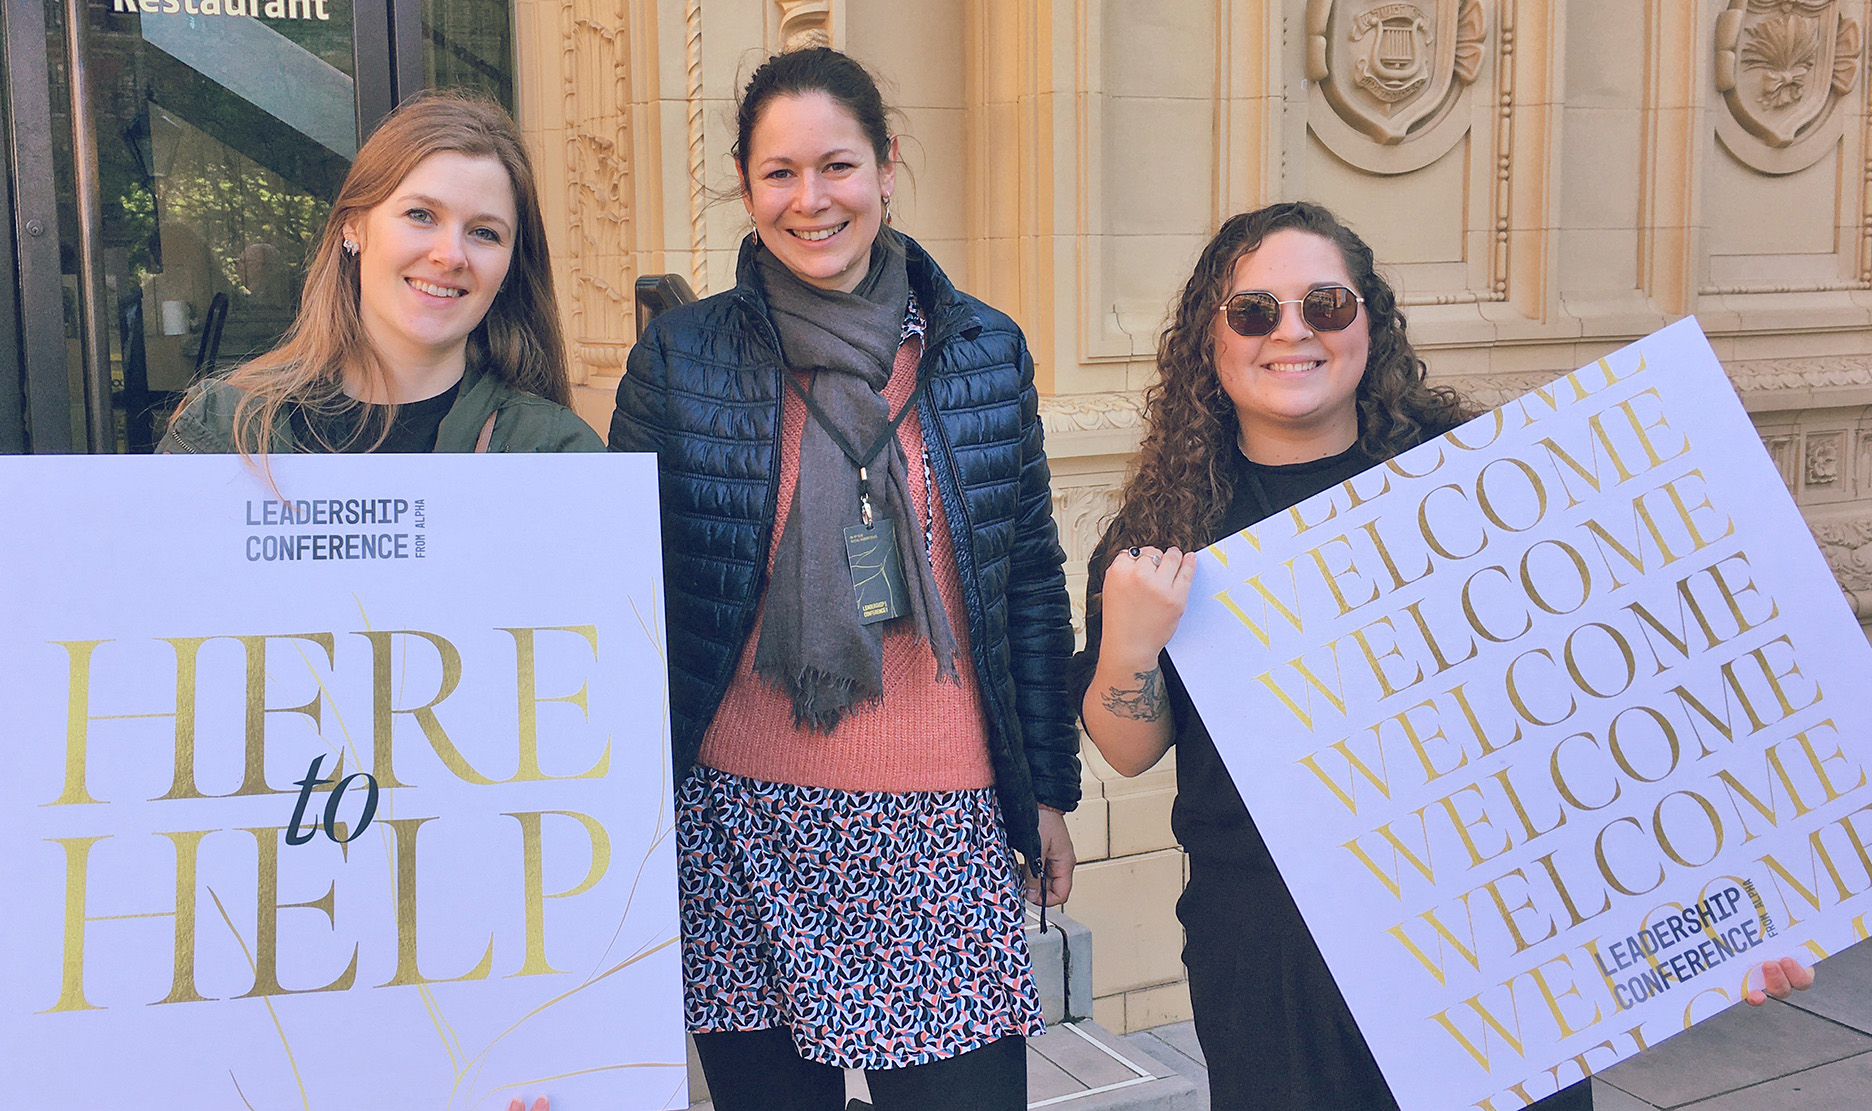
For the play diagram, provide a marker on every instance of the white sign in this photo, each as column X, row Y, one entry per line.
column 348, row 791
column 1555, row 725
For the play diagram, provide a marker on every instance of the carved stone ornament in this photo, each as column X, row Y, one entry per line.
column 1392, row 75
column 804, row 23
column 1823, row 460
column 1847, row 545
column 1782, row 67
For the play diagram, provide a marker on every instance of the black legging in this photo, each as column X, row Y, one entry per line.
column 760, row 1070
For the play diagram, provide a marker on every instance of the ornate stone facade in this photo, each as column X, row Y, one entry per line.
column 1543, row 180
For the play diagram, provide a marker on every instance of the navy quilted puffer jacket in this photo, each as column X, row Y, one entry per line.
column 703, row 390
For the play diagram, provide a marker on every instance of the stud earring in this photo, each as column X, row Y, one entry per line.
column 351, row 247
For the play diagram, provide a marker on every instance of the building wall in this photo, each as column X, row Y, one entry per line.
column 1555, row 179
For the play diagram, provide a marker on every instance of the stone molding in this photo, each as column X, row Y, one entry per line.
column 802, row 23
column 1117, row 411
column 595, row 97
column 698, row 155
column 1782, row 67
column 1082, row 512
column 1821, row 372
column 1847, row 546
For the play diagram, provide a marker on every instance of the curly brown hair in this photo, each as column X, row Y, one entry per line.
column 1180, row 483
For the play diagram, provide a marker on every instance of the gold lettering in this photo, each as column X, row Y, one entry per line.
column 1663, row 838
column 1436, row 650
column 1475, row 723
column 1464, row 825
column 1268, row 598
column 1348, row 795
column 1429, row 534
column 266, row 923
column 77, row 875
column 1375, row 660
column 1488, row 504
column 534, row 883
column 1420, row 744
column 1605, row 865
column 1331, row 577
column 1398, row 848
column 1665, row 729
column 526, row 669
column 1520, row 703
column 77, row 872
column 1507, row 913
column 1566, row 790
column 1739, row 793
column 1398, row 581
column 1334, row 694
column 1818, row 857
column 1474, row 616
column 1552, row 999
column 1578, row 673
column 383, row 713
column 1527, row 823
column 1444, row 938
column 1566, row 896
column 1474, row 1003
column 409, row 967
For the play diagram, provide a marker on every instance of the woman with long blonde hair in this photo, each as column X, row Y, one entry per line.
column 428, row 321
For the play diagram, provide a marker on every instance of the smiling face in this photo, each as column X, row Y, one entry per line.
column 1295, row 390
column 814, row 187
column 431, row 259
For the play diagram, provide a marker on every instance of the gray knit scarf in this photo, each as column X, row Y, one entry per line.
column 812, row 645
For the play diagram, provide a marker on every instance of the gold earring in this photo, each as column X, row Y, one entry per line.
column 887, row 214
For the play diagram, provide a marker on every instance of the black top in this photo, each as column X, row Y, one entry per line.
column 412, row 431
column 1208, row 817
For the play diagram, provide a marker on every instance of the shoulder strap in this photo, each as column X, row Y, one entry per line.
column 487, row 433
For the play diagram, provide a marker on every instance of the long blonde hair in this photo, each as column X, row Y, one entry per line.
column 518, row 342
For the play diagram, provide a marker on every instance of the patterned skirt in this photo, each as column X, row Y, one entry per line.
column 884, row 929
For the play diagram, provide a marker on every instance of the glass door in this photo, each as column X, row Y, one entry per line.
column 195, row 150
column 171, row 164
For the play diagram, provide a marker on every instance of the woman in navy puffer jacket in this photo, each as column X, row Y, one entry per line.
column 860, row 735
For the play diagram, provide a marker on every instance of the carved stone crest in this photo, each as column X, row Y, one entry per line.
column 1390, row 68
column 1782, row 66
column 1392, row 73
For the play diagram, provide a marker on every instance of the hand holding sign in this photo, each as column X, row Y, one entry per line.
column 1555, row 726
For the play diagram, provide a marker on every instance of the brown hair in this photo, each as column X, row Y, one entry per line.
column 1181, row 484
column 814, row 69
column 519, row 341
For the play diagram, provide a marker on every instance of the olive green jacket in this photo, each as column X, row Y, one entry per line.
column 522, row 421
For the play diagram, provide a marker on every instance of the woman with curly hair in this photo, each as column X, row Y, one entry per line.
column 1284, row 371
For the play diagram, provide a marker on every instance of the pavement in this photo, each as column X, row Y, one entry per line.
column 1812, row 1053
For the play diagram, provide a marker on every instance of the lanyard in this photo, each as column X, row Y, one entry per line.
column 860, row 460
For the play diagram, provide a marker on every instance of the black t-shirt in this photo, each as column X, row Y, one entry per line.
column 1208, row 816
column 412, row 431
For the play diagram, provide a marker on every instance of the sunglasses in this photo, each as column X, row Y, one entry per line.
column 1330, row 308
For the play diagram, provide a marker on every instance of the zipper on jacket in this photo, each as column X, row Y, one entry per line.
column 964, row 546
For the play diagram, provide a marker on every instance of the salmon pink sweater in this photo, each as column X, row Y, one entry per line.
column 926, row 734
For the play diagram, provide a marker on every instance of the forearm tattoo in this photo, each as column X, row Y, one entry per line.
column 1144, row 702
